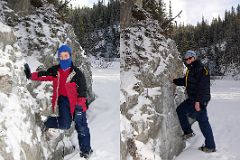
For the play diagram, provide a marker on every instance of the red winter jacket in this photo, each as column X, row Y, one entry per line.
column 75, row 86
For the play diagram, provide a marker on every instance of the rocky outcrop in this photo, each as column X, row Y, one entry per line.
column 6, row 35
column 131, row 10
column 21, row 7
column 149, row 124
column 19, row 135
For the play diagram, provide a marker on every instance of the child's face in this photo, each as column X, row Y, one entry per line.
column 64, row 56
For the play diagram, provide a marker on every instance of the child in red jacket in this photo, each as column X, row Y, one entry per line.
column 69, row 95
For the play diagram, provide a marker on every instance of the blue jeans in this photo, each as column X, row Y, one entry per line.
column 64, row 120
column 187, row 108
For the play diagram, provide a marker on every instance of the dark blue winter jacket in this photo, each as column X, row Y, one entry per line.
column 197, row 82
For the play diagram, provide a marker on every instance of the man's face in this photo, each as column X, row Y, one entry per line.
column 189, row 60
column 64, row 56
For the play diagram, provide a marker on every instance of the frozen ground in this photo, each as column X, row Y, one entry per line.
column 223, row 111
column 103, row 115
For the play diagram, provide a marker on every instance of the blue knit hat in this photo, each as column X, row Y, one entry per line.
column 190, row 53
column 64, row 48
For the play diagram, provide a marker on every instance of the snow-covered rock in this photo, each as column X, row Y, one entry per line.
column 7, row 35
column 20, row 137
column 149, row 124
column 126, row 17
column 20, row 6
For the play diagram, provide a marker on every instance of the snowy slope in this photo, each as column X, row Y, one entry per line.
column 223, row 111
column 103, row 115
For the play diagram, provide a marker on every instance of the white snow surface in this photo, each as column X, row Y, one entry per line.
column 223, row 112
column 4, row 28
column 104, row 115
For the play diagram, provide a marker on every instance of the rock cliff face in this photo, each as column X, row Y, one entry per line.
column 21, row 7
column 149, row 124
column 32, row 38
column 20, row 138
column 127, row 17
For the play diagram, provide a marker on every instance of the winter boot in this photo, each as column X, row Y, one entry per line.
column 207, row 150
column 86, row 154
column 187, row 136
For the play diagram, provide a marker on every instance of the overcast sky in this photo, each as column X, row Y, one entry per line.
column 82, row 3
column 193, row 10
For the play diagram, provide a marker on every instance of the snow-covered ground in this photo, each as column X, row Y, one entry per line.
column 223, row 111
column 104, row 115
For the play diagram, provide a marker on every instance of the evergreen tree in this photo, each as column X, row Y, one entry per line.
column 156, row 9
column 238, row 10
column 101, row 18
column 170, row 16
column 220, row 39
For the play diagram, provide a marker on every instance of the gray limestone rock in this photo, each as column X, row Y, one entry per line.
column 149, row 63
column 130, row 8
column 18, row 131
column 7, row 38
column 22, row 7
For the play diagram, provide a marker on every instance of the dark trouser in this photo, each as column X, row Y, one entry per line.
column 187, row 108
column 64, row 122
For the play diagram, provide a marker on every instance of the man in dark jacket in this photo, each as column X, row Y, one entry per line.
column 69, row 95
column 197, row 84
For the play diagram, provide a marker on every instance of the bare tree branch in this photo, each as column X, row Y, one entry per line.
column 166, row 23
column 63, row 5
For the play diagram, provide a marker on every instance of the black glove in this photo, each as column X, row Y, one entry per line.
column 27, row 71
column 175, row 81
column 87, row 104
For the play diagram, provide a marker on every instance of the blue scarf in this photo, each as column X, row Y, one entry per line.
column 65, row 64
